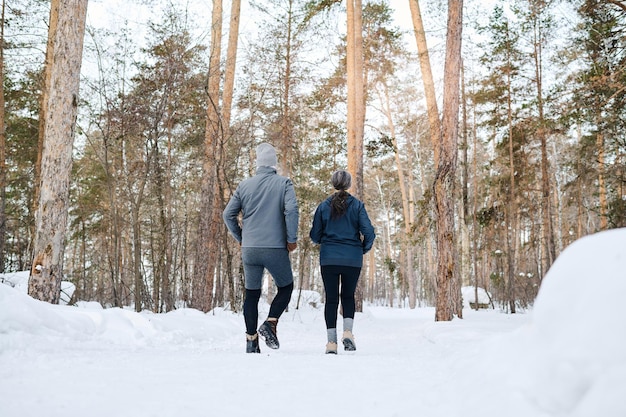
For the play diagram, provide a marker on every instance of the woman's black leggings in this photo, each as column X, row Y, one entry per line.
column 333, row 276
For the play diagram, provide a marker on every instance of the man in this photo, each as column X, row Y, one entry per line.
column 268, row 232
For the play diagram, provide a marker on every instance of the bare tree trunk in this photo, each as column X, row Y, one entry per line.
column 285, row 143
column 406, row 204
column 546, row 194
column 448, row 291
column 210, row 215
column 45, row 92
column 371, row 272
column 227, row 100
column 138, row 277
column 463, row 268
column 136, row 202
column 64, row 57
column 356, row 108
column 231, row 61
column 548, row 228
column 443, row 138
column 115, row 258
column 604, row 224
column 511, row 231
column 350, row 85
column 206, row 275
column 114, row 229
column 167, row 296
column 579, row 198
column 387, row 248
column 356, row 103
column 475, row 244
column 211, row 229
column 3, row 156
column 427, row 78
column 359, row 98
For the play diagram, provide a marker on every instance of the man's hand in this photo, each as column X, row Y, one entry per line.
column 292, row 246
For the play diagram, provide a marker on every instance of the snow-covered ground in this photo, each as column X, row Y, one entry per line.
column 565, row 358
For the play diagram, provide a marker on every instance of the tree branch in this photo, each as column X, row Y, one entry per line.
column 619, row 4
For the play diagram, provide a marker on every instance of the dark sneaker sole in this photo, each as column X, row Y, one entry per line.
column 268, row 336
column 348, row 345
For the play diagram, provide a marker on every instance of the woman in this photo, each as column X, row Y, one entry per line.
column 344, row 231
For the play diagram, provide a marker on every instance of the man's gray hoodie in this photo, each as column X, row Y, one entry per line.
column 269, row 210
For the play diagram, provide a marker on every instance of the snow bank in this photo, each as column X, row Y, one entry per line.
column 576, row 347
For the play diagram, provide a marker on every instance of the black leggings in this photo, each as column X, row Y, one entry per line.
column 251, row 306
column 348, row 277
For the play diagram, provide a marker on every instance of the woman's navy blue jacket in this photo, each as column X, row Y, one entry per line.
column 343, row 240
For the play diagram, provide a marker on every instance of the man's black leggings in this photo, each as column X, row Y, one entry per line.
column 251, row 306
column 348, row 277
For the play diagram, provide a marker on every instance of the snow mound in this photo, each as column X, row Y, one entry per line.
column 469, row 296
column 577, row 340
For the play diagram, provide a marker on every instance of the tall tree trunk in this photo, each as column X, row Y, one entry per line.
column 114, row 230
column 359, row 98
column 138, row 277
column 546, row 199
column 285, row 144
column 511, row 231
column 356, row 97
column 537, row 9
column 406, row 203
column 63, row 63
column 604, row 224
column 465, row 267
column 356, row 107
column 166, row 295
column 136, row 193
column 227, row 100
column 427, row 78
column 45, row 92
column 448, row 291
column 231, row 61
column 211, row 227
column 350, row 85
column 3, row 165
column 475, row 242
column 387, row 248
column 210, row 215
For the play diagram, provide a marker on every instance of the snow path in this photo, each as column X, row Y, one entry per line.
column 405, row 365
column 565, row 359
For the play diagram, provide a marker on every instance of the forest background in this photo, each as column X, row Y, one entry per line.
column 541, row 143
